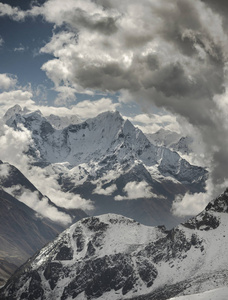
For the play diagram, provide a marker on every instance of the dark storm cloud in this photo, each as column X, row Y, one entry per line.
column 220, row 6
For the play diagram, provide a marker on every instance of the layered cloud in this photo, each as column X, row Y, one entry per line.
column 12, row 94
column 150, row 123
column 42, row 206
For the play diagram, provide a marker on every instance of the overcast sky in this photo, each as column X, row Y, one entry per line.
column 161, row 62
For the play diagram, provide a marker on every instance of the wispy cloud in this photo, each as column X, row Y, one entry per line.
column 152, row 122
column 1, row 41
column 19, row 49
column 42, row 206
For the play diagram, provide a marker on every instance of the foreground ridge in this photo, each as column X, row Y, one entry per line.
column 114, row 257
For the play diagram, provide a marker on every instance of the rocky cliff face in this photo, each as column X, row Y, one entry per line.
column 113, row 257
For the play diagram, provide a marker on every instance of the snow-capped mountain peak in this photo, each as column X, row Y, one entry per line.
column 110, row 152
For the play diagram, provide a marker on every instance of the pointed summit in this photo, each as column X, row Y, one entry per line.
column 16, row 109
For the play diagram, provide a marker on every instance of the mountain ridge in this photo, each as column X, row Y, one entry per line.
column 91, row 260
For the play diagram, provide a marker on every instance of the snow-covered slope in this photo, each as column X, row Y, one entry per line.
column 105, row 159
column 113, row 257
column 100, row 139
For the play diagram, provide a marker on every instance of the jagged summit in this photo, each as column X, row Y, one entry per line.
column 220, row 204
column 58, row 122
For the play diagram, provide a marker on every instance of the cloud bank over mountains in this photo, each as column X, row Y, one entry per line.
column 172, row 54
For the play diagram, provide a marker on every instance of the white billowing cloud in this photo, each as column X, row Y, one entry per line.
column 136, row 190
column 7, row 81
column 193, row 204
column 24, row 97
column 106, row 191
column 66, row 95
column 31, row 199
column 88, row 109
column 84, row 109
column 51, row 188
column 4, row 170
column 13, row 12
column 10, row 98
column 14, row 144
column 150, row 123
column 126, row 54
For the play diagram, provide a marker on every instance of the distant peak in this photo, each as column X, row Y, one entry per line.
column 16, row 107
column 107, row 116
column 12, row 111
column 115, row 113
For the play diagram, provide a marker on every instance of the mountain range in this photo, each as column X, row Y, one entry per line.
column 110, row 162
column 128, row 177
column 92, row 260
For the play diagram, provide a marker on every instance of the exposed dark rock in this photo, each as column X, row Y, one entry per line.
column 65, row 253
column 204, row 221
column 94, row 224
column 52, row 273
column 35, row 289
